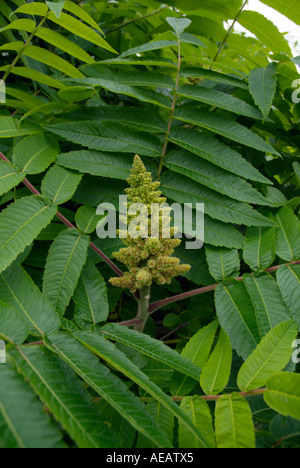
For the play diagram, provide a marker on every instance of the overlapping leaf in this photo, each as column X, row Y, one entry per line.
column 23, row 423
column 62, row 392
column 18, row 290
column 65, row 261
column 234, row 425
column 20, row 224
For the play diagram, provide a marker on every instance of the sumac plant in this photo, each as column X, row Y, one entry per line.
column 148, row 344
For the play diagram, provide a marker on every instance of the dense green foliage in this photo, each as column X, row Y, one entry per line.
column 214, row 115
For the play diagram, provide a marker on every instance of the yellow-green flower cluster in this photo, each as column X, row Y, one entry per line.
column 148, row 259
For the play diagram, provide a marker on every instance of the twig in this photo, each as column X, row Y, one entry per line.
column 204, row 397
column 131, row 323
column 174, row 331
column 217, row 397
column 137, row 20
column 36, row 343
column 161, row 164
column 196, row 292
column 222, row 45
column 21, row 51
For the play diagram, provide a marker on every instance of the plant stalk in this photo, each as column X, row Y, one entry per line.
column 161, row 164
column 143, row 308
column 21, row 51
column 204, row 397
column 230, row 30
column 137, row 20
column 197, row 292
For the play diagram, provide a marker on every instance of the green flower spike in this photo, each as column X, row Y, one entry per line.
column 148, row 259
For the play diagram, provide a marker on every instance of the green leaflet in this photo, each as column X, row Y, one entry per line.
column 237, row 317
column 262, row 86
column 291, row 10
column 142, row 62
column 56, row 7
column 259, row 249
column 20, row 224
column 225, row 126
column 216, row 7
column 296, row 167
column 97, row 163
column 87, row 219
column 118, row 424
column 51, row 232
column 94, row 191
column 285, row 429
column 18, row 290
column 132, row 116
column 36, row 76
column 287, row 235
column 65, row 261
column 197, row 72
column 179, row 24
column 216, row 372
column 90, row 295
column 78, row 28
column 215, row 152
column 107, row 351
column 234, row 425
column 283, row 394
column 215, row 233
column 140, row 78
column 115, row 85
column 164, row 419
column 61, row 42
column 25, row 24
column 108, row 386
column 198, row 411
column 108, row 137
column 74, row 94
column 267, row 301
column 184, row 190
column 271, row 356
column 265, row 31
column 219, row 99
column 9, row 177
column 288, row 278
column 62, row 392
column 222, row 263
column 213, row 177
column 197, row 351
column 10, row 127
column 35, row 153
column 60, row 184
column 151, row 348
column 18, row 405
column 82, row 14
column 13, row 326
column 46, row 57
column 154, row 45
column 196, row 258
column 36, row 8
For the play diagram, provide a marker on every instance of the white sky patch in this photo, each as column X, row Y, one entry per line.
column 282, row 22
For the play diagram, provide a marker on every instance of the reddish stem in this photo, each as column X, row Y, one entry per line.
column 204, row 397
column 131, row 323
column 196, row 292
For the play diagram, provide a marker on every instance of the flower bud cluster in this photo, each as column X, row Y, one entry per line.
column 148, row 259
